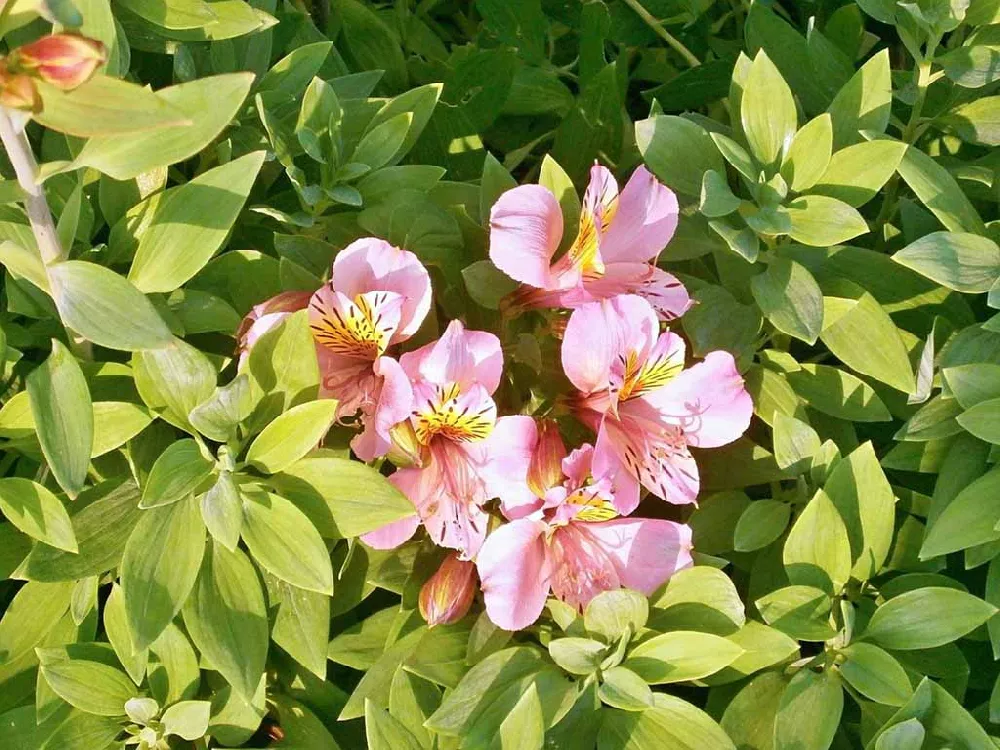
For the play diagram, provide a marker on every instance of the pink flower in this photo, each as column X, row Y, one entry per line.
column 645, row 407
column 576, row 548
column 614, row 252
column 470, row 456
column 378, row 296
column 448, row 594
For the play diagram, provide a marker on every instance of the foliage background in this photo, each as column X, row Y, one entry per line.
column 839, row 198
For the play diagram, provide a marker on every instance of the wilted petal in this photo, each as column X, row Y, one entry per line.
column 371, row 265
column 645, row 552
column 515, row 573
column 526, row 226
column 644, row 221
column 708, row 401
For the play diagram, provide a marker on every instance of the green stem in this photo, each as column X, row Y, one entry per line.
column 676, row 44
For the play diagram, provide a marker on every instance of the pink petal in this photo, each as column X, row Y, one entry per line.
column 361, row 327
column 644, row 222
column 645, row 552
column 509, row 449
column 393, row 404
column 394, row 534
column 351, row 381
column 590, row 347
column 449, row 414
column 373, row 265
column 526, row 226
column 708, row 401
column 514, row 573
column 459, row 357
column 581, row 567
column 667, row 295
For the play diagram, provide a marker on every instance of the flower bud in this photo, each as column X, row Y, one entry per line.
column 406, row 451
column 17, row 91
column 448, row 594
column 64, row 60
column 545, row 470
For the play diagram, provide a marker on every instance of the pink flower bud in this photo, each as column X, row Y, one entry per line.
column 545, row 470
column 64, row 60
column 448, row 594
column 17, row 91
column 266, row 315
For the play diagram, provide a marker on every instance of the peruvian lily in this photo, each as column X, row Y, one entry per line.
column 576, row 548
column 614, row 252
column 469, row 456
column 646, row 408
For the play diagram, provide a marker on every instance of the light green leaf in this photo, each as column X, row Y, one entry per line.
column 875, row 674
column 680, row 655
column 958, row 260
column 622, row 688
column 857, row 173
column 767, row 111
column 809, row 154
column 609, row 613
column 159, row 567
column 343, row 498
column 762, row 522
column 284, row 541
column 302, row 624
column 291, row 436
column 115, row 423
column 177, row 473
column 749, row 717
column 187, row 719
column 822, row 221
column 177, row 14
column 221, row 413
column 33, row 612
column 677, row 151
column 190, row 223
column 383, row 141
column 291, row 75
column 795, row 443
column 90, row 686
column 817, row 551
column 800, row 611
column 116, row 628
column 227, row 619
column 174, row 380
column 105, row 308
column 838, row 393
column 903, row 624
column 939, row 192
column 64, row 417
column 816, row 696
column 967, row 520
column 222, row 511
column 790, row 298
column 907, row 735
column 717, row 199
column 670, row 723
column 864, row 102
column 37, row 512
column 577, row 655
column 976, row 122
column 983, row 420
column 384, row 732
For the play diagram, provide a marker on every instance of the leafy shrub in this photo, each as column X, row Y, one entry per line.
column 349, row 401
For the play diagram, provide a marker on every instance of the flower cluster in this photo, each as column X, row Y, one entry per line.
column 63, row 60
column 562, row 523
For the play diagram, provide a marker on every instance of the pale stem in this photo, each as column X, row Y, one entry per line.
column 15, row 142
column 656, row 26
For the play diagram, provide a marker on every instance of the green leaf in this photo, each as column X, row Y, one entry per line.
column 209, row 103
column 958, row 260
column 671, row 723
column 701, row 597
column 227, row 620
column 790, row 298
column 187, row 719
column 967, row 520
column 115, row 423
column 817, row 551
column 284, row 359
column 554, row 177
column 800, row 611
column 116, row 628
column 174, row 380
column 680, row 656
column 190, row 223
column 860, row 333
column 160, row 566
column 749, row 717
column 816, row 696
column 907, row 735
column 832, row 391
column 284, row 541
column 809, row 154
column 875, row 674
column 302, row 624
column 976, row 122
column 178, row 14
column 820, row 221
column 64, row 417
column 941, row 715
column 939, row 192
column 577, row 655
column 857, row 173
column 795, row 443
column 33, row 612
column 762, row 522
column 343, row 498
column 173, row 667
column 678, row 152
column 384, row 732
column 864, row 102
column 767, row 111
column 291, row 436
column 105, row 308
column 37, row 512
column 983, row 420
column 610, row 613
column 105, row 106
column 973, row 383
column 383, row 141
column 622, row 688
column 716, row 197
column 219, row 416
column 90, row 686
column 222, row 511
column 290, row 76
column 102, row 528
column 177, row 473
column 903, row 624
